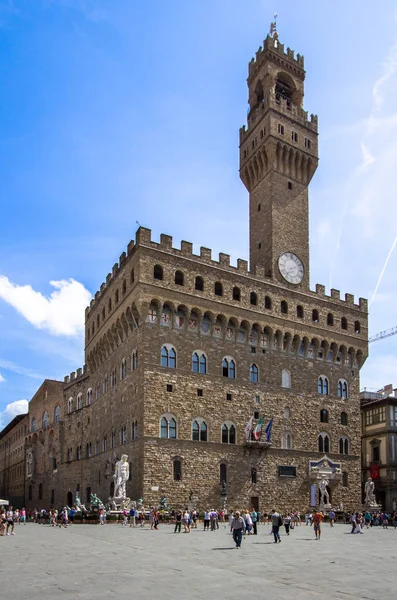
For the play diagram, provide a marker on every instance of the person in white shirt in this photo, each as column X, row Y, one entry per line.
column 206, row 520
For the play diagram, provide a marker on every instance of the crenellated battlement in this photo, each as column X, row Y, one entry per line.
column 275, row 47
column 165, row 245
column 76, row 375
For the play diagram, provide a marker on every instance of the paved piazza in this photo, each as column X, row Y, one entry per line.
column 94, row 562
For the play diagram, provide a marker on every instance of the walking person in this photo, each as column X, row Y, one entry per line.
column 206, row 520
column 186, row 520
column 287, row 523
column 132, row 517
column 178, row 522
column 331, row 515
column 10, row 521
column 23, row 516
column 276, row 523
column 254, row 519
column 248, row 522
column 317, row 520
column 237, row 528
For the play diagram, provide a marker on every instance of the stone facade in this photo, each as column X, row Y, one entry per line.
column 379, row 444
column 182, row 350
column 12, row 460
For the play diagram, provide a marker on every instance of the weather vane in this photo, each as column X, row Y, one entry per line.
column 273, row 28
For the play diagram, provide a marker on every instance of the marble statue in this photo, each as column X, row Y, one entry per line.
column 121, row 475
column 370, row 499
column 324, row 495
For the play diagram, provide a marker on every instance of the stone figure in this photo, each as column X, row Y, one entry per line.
column 121, row 475
column 95, row 501
column 370, row 499
column 191, row 496
column 324, row 495
column 29, row 463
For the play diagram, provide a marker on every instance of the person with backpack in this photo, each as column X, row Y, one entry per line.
column 277, row 521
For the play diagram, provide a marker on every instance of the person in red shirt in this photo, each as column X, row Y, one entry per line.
column 317, row 520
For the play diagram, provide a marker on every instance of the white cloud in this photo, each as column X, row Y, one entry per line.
column 8, row 365
column 62, row 313
column 18, row 407
column 2, row 378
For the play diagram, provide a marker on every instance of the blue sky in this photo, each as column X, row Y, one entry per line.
column 117, row 111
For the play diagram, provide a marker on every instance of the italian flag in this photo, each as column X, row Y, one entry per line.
column 258, row 429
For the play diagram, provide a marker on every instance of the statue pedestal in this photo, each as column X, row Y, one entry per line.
column 372, row 507
column 325, row 507
column 118, row 503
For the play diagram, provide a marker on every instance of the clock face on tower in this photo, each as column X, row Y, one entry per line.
column 291, row 267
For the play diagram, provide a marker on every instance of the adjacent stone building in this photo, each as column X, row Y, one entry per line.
column 12, row 460
column 379, row 444
column 183, row 350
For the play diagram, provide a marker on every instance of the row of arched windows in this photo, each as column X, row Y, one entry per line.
column 79, row 401
column 324, row 444
column 45, row 419
column 228, row 434
column 324, row 417
column 116, row 296
column 179, row 279
column 122, row 439
column 323, row 387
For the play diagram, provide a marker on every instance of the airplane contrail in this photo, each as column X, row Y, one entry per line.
column 383, row 270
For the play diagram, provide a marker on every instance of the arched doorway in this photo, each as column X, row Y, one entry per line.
column 69, row 499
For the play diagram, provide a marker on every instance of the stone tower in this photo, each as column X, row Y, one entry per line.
column 278, row 157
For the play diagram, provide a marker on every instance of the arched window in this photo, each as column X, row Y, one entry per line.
column 103, row 314
column 228, row 433
column 236, row 294
column 285, row 378
column 253, row 476
column 218, row 289
column 330, row 319
column 254, row 373
column 222, row 473
column 323, row 415
column 268, row 302
column 229, row 368
column 134, row 360
column 343, row 445
column 343, row 391
column 168, row 427
column 57, row 414
column 124, row 287
column 343, row 323
column 323, row 442
column 116, row 297
column 179, row 279
column 287, row 413
column 284, row 307
column 299, row 312
column 357, row 327
column 199, row 431
column 177, row 469
column 286, row 441
column 253, row 298
column 132, row 276
column 315, row 316
column 79, row 401
column 343, row 418
column 199, row 362
column 123, row 369
column 110, row 305
column 323, row 385
column 168, row 357
column 70, row 405
column 33, row 425
column 199, row 284
column 78, row 452
column 158, row 272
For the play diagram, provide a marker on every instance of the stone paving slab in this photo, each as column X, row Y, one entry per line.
column 92, row 562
